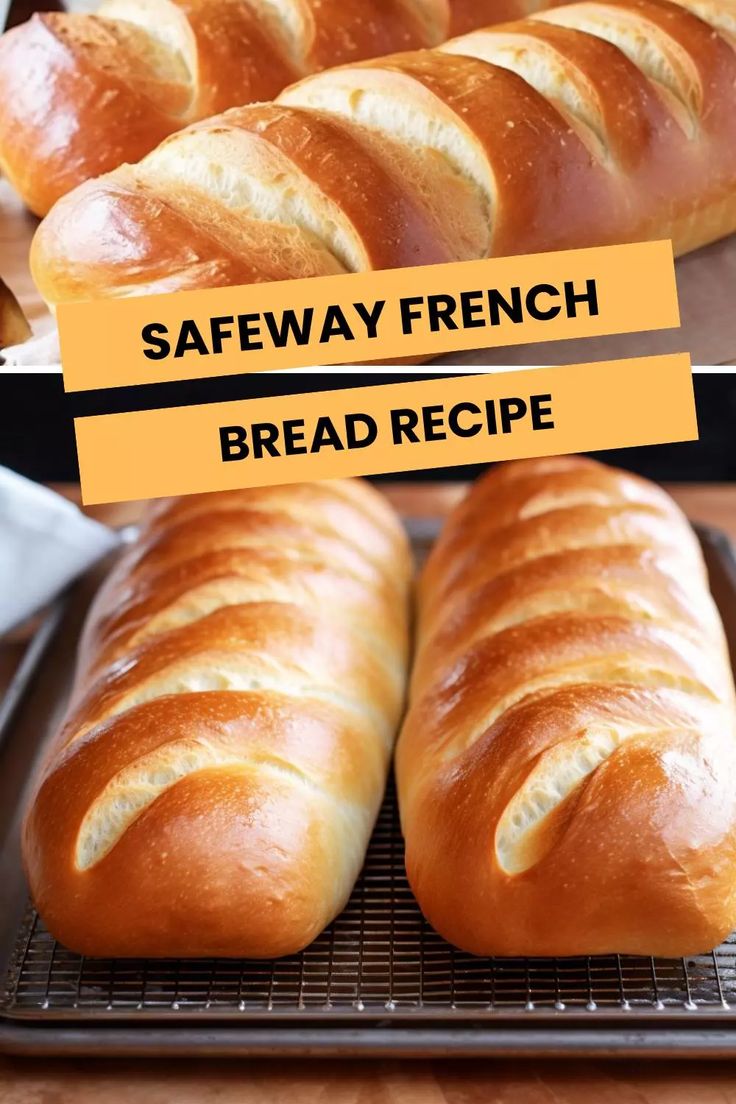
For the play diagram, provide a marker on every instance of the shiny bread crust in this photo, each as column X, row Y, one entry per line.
column 81, row 94
column 595, row 123
column 565, row 771
column 241, row 679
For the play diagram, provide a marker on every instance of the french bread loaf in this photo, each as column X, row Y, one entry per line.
column 565, row 771
column 80, row 94
column 240, row 682
column 599, row 122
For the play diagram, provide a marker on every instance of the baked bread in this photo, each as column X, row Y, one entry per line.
column 592, row 124
column 81, row 94
column 14, row 326
column 565, row 771
column 241, row 678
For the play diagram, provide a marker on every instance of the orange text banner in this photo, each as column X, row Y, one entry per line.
column 414, row 313
column 393, row 427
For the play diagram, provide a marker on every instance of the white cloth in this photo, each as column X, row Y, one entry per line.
column 45, row 543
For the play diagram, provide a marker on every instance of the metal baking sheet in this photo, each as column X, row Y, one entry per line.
column 378, row 981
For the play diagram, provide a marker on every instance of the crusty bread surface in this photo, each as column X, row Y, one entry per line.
column 590, row 124
column 565, row 771
column 83, row 93
column 240, row 684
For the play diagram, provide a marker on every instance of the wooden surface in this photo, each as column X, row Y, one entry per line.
column 319, row 1082
column 38, row 1081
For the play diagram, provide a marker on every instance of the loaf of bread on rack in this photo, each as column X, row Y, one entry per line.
column 566, row 768
column 240, row 684
column 592, row 124
column 80, row 94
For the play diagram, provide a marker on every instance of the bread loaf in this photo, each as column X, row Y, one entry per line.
column 595, row 123
column 81, row 94
column 14, row 326
column 240, row 682
column 566, row 769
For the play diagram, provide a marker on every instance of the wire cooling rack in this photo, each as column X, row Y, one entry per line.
column 379, row 959
column 379, row 981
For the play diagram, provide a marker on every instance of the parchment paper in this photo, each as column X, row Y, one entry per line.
column 706, row 283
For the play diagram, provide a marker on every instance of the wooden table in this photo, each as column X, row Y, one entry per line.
column 194, row 1081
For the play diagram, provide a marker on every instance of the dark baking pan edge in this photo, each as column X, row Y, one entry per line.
column 379, row 1041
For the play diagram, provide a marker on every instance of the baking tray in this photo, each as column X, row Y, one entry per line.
column 379, row 981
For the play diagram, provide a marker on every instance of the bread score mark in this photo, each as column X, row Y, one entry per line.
column 256, row 674
column 134, row 789
column 519, row 843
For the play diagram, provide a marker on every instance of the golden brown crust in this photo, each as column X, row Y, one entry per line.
column 146, row 242
column 592, row 124
column 563, row 768
column 467, row 15
column 14, row 326
column 44, row 151
column 543, row 191
column 234, row 860
column 213, row 787
column 82, row 94
column 385, row 220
